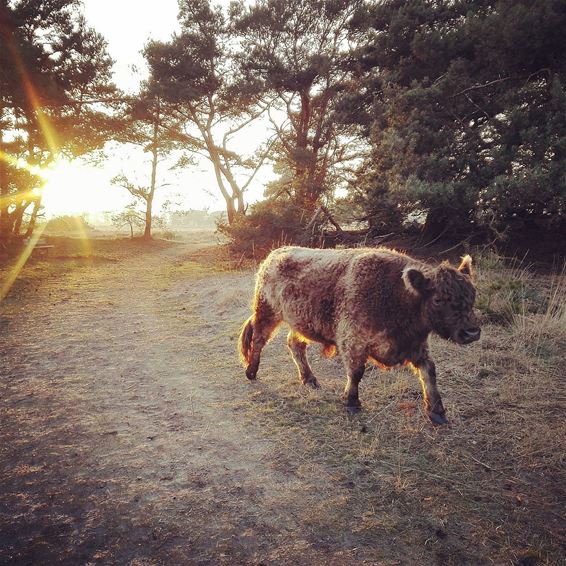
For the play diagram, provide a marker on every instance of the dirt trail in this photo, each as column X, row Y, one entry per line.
column 121, row 442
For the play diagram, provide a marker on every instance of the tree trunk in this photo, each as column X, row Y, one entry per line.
column 218, row 172
column 4, row 194
column 33, row 218
column 230, row 210
column 241, row 203
column 149, row 201
column 18, row 216
column 305, row 160
column 228, row 199
column 147, row 229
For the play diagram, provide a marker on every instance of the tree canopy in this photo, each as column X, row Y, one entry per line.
column 464, row 105
column 295, row 53
column 197, row 75
column 450, row 115
column 54, row 70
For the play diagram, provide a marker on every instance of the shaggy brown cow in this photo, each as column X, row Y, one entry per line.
column 373, row 305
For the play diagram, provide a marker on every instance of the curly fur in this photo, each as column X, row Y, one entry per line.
column 369, row 304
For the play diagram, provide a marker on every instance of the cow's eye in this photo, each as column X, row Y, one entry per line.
column 436, row 301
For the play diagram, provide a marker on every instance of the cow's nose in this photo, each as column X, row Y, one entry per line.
column 471, row 334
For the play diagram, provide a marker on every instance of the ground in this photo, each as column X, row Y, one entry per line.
column 131, row 436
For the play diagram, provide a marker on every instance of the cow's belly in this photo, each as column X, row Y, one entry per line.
column 312, row 333
column 310, row 318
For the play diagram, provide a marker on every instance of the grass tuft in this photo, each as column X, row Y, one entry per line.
column 505, row 289
column 543, row 332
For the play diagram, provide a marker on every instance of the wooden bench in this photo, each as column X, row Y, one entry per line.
column 41, row 247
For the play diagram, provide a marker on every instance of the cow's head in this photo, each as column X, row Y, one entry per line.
column 448, row 296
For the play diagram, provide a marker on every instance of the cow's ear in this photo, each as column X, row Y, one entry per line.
column 466, row 266
column 417, row 282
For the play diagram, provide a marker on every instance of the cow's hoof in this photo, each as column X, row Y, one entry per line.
column 312, row 383
column 251, row 375
column 353, row 409
column 437, row 418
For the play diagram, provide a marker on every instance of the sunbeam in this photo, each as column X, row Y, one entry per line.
column 21, row 261
column 50, row 138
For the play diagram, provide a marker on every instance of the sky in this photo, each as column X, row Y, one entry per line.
column 127, row 25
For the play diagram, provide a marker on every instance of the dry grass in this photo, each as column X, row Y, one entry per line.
column 505, row 288
column 71, row 255
column 544, row 331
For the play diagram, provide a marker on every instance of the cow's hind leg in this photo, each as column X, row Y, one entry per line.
column 263, row 323
column 426, row 372
column 298, row 349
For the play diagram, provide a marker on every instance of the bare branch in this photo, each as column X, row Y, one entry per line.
column 485, row 85
column 261, row 162
column 242, row 125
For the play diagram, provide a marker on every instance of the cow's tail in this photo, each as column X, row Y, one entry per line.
column 245, row 341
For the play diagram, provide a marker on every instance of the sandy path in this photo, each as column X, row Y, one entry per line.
column 118, row 446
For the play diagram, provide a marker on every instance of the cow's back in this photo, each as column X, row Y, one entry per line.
column 313, row 289
column 302, row 285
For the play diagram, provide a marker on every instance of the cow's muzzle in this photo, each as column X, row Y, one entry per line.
column 468, row 335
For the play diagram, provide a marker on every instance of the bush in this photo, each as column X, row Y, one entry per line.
column 544, row 331
column 269, row 224
column 166, row 235
column 68, row 224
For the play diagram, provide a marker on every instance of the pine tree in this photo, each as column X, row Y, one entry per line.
column 464, row 105
column 295, row 53
column 196, row 74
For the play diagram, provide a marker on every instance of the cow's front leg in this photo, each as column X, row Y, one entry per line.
column 426, row 372
column 354, row 375
column 354, row 356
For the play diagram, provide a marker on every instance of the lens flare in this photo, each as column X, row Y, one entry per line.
column 21, row 261
column 51, row 143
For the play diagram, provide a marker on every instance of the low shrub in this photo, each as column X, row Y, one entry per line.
column 534, row 308
column 67, row 224
column 269, row 224
column 505, row 290
column 166, row 235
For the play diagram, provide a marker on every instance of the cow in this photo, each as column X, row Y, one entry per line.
column 369, row 304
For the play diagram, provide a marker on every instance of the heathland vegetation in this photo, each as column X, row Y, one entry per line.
column 126, row 412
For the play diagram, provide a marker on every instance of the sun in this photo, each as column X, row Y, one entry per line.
column 74, row 188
